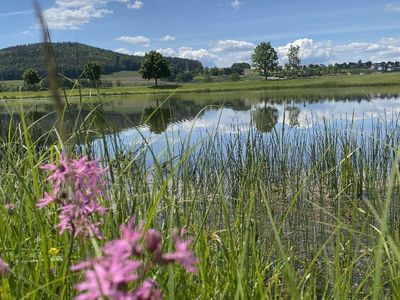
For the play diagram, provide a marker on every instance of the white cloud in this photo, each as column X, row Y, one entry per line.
column 232, row 46
column 138, row 4
column 123, row 51
column 139, row 53
column 392, row 7
column 310, row 51
column 168, row 38
column 135, row 40
column 328, row 52
column 73, row 14
column 203, row 55
column 168, row 52
column 224, row 53
column 236, row 4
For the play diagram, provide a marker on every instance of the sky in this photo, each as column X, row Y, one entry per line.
column 216, row 32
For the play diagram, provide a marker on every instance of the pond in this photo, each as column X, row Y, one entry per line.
column 161, row 120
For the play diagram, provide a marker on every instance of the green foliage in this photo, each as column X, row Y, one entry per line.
column 294, row 56
column 293, row 59
column 208, row 79
column 31, row 77
column 184, row 77
column 92, row 70
column 290, row 215
column 240, row 67
column 154, row 66
column 72, row 56
column 265, row 58
column 235, row 77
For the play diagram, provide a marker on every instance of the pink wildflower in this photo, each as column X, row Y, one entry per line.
column 182, row 255
column 109, row 276
column 148, row 291
column 4, row 268
column 153, row 241
column 78, row 184
column 128, row 245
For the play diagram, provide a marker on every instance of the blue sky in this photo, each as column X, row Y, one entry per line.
column 217, row 32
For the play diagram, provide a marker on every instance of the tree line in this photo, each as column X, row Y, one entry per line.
column 71, row 57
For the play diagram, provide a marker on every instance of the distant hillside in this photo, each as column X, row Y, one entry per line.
column 72, row 56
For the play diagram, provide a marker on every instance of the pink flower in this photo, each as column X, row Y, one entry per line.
column 148, row 291
column 182, row 255
column 77, row 186
column 153, row 241
column 128, row 245
column 4, row 268
column 107, row 277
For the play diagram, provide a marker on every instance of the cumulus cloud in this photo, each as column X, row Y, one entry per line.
column 168, row 38
column 73, row 14
column 330, row 52
column 201, row 54
column 226, row 52
column 232, row 46
column 135, row 40
column 310, row 51
column 167, row 52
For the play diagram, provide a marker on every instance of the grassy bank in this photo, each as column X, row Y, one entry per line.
column 293, row 214
column 373, row 80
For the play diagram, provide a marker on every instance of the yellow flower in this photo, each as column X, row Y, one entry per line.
column 54, row 251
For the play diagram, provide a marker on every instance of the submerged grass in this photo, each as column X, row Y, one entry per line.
column 300, row 214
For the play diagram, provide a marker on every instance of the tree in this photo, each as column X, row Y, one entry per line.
column 240, row 67
column 154, row 66
column 31, row 77
column 92, row 71
column 235, row 77
column 294, row 57
column 265, row 58
column 184, row 77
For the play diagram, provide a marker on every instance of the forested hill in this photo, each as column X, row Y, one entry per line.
column 72, row 56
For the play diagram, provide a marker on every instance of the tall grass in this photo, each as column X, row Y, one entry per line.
column 310, row 214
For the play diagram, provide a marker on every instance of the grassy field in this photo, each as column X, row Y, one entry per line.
column 290, row 215
column 374, row 80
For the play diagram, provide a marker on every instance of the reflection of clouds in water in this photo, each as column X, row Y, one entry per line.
column 347, row 111
column 226, row 120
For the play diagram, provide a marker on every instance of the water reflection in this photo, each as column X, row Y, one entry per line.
column 293, row 115
column 198, row 114
column 265, row 118
column 157, row 119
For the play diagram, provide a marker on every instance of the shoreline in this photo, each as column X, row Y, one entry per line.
column 353, row 81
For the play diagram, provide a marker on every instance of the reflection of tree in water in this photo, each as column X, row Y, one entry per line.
column 157, row 119
column 293, row 115
column 265, row 118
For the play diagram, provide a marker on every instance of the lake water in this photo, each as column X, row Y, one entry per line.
column 171, row 119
